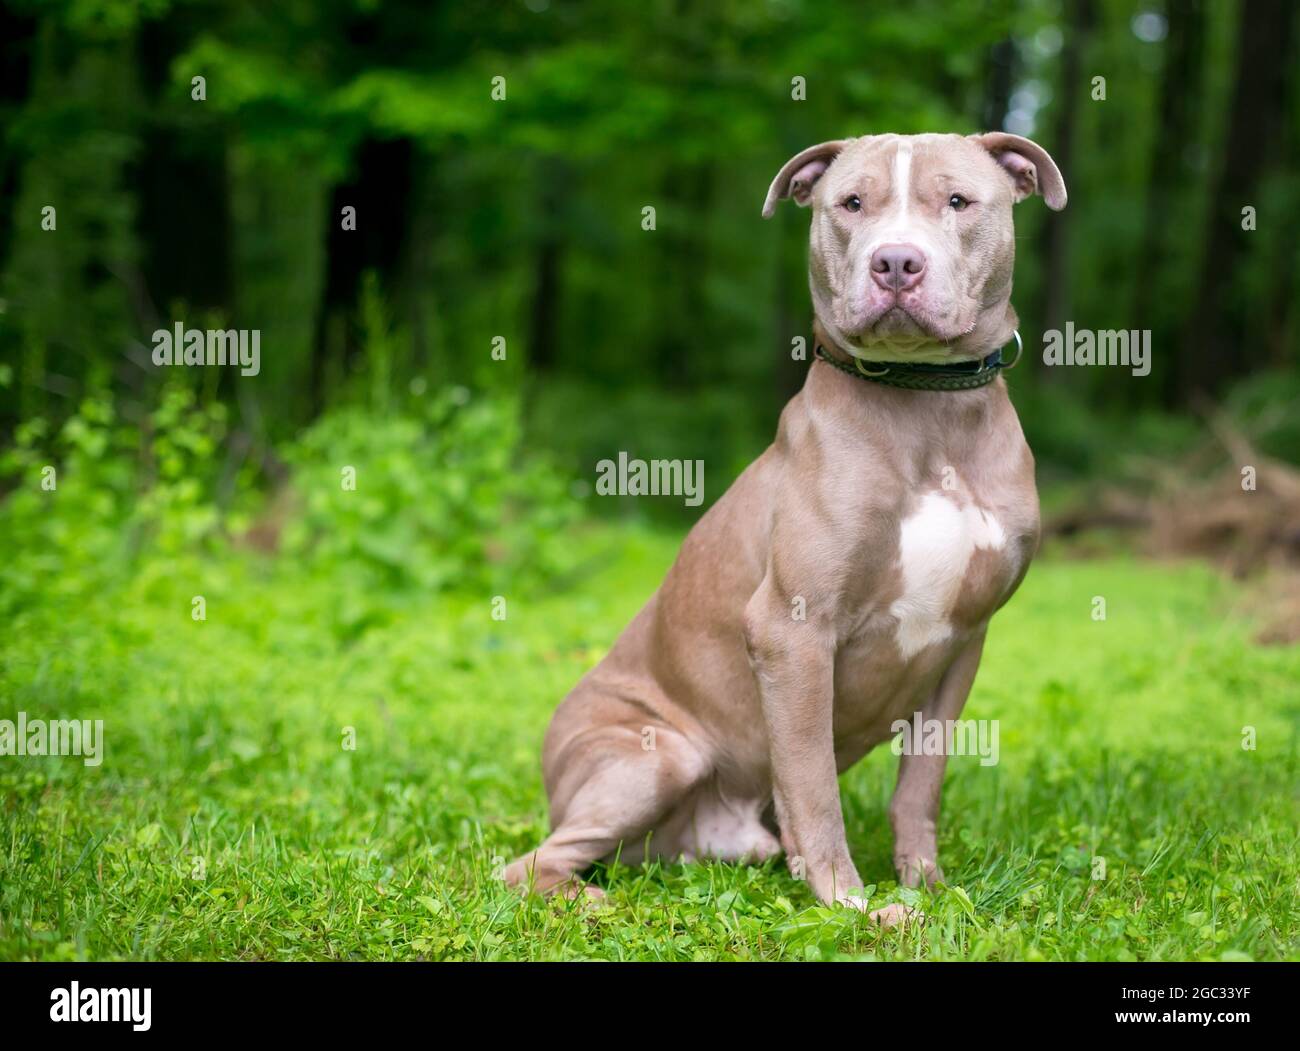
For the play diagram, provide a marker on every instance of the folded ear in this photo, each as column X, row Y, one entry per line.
column 1028, row 164
column 800, row 173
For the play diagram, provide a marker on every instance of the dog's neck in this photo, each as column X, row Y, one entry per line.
column 955, row 377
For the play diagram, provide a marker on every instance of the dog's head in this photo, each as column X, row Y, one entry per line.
column 912, row 243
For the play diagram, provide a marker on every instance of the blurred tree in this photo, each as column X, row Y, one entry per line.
column 1222, row 339
column 72, row 288
column 1173, row 172
column 1072, row 89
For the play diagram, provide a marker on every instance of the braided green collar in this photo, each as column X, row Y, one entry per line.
column 960, row 375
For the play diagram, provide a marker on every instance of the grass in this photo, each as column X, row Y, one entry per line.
column 227, row 820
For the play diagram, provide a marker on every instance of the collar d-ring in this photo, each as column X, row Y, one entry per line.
column 857, row 363
column 1020, row 349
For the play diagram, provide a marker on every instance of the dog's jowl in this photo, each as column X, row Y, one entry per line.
column 846, row 580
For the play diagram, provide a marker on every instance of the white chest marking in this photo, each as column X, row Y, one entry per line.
column 934, row 548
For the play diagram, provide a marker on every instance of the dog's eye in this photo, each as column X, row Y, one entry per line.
column 853, row 203
column 957, row 202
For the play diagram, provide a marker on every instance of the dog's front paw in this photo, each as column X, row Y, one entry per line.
column 896, row 914
column 892, row 915
column 913, row 870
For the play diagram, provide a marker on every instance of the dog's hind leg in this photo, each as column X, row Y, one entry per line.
column 712, row 825
column 612, row 785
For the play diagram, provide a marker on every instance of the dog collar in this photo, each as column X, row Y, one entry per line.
column 960, row 375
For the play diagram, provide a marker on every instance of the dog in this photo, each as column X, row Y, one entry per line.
column 846, row 580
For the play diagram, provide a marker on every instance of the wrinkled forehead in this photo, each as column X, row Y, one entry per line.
column 879, row 164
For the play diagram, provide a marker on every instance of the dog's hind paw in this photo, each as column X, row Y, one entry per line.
column 913, row 871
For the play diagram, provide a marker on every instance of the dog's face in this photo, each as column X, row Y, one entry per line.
column 912, row 243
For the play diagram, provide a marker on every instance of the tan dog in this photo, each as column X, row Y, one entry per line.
column 846, row 579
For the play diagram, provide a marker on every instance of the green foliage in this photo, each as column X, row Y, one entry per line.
column 445, row 496
column 519, row 217
column 1072, row 439
column 118, row 488
column 719, row 426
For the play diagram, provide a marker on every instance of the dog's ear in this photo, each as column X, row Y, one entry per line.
column 798, row 175
column 1029, row 165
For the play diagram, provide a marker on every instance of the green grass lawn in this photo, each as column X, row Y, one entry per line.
column 228, row 821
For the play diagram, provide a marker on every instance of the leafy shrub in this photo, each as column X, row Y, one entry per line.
column 88, row 497
column 443, row 500
column 444, row 497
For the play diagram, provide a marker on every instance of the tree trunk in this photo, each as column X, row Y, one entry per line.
column 70, row 288
column 1055, row 303
column 544, row 315
column 279, row 223
column 686, row 325
column 1281, row 314
column 1219, row 340
column 1180, row 105
column 999, row 75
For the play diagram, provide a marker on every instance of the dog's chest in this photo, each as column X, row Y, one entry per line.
column 955, row 560
column 955, row 564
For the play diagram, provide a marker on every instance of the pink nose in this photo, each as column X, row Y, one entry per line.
column 896, row 268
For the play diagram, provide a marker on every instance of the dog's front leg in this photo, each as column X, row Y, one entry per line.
column 914, row 808
column 793, row 660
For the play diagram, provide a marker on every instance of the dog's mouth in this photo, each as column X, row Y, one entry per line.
column 898, row 324
column 901, row 328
